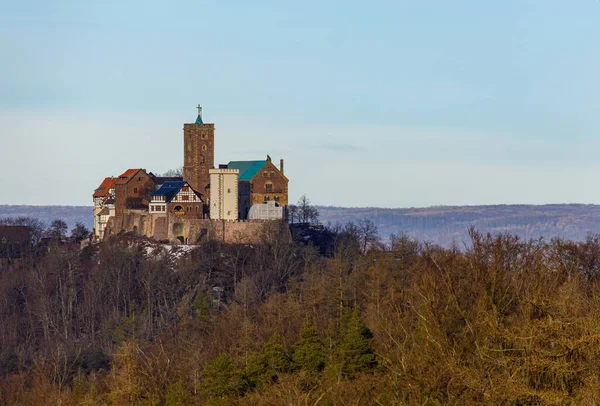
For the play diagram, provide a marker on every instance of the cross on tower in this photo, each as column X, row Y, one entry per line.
column 200, row 110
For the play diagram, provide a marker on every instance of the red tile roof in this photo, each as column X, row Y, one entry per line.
column 105, row 186
column 128, row 173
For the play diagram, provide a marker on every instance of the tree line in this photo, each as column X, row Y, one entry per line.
column 340, row 319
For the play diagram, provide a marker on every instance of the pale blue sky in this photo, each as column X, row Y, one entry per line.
column 379, row 103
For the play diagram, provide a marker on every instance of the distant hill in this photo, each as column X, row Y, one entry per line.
column 70, row 214
column 440, row 224
column 445, row 224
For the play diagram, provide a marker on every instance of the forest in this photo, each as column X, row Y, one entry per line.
column 322, row 316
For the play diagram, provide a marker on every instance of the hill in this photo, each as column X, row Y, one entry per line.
column 439, row 224
column 445, row 224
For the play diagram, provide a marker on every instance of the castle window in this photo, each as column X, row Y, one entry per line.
column 276, row 198
column 151, row 208
column 204, row 147
column 139, row 179
column 134, row 190
column 185, row 197
column 265, row 175
column 267, row 198
column 272, row 174
column 228, row 190
column 269, row 187
column 185, row 188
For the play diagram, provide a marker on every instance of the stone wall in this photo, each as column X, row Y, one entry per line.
column 190, row 230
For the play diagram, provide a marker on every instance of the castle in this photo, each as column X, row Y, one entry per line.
column 230, row 202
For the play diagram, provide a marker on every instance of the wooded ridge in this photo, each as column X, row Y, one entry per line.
column 132, row 322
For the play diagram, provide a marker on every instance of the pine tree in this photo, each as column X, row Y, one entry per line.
column 179, row 395
column 309, row 352
column 276, row 356
column 264, row 368
column 222, row 378
column 355, row 351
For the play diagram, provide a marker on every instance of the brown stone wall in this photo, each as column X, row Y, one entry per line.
column 198, row 156
column 194, row 230
column 160, row 229
column 138, row 221
column 269, row 174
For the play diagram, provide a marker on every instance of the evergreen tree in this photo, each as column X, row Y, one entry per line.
column 277, row 358
column 179, row 395
column 222, row 378
column 309, row 352
column 355, row 351
column 264, row 368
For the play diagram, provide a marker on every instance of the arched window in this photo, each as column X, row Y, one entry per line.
column 269, row 187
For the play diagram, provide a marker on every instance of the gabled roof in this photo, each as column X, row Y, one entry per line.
column 247, row 168
column 170, row 189
column 105, row 186
column 128, row 173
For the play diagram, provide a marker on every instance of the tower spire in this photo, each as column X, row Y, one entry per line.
column 199, row 119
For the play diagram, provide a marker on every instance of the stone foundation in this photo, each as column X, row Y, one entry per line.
column 178, row 229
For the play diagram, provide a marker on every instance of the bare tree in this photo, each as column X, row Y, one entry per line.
column 58, row 229
column 177, row 172
column 80, row 231
column 307, row 213
column 293, row 213
column 368, row 233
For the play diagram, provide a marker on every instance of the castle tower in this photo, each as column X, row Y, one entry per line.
column 198, row 153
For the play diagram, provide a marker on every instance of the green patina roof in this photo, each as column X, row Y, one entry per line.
column 247, row 168
column 199, row 120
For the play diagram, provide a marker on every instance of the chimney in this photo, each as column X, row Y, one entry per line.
column 281, row 166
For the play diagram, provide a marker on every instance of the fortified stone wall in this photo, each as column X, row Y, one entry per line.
column 193, row 231
column 190, row 230
column 137, row 221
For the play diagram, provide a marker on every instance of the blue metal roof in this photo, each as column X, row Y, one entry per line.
column 199, row 120
column 168, row 189
column 247, row 168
